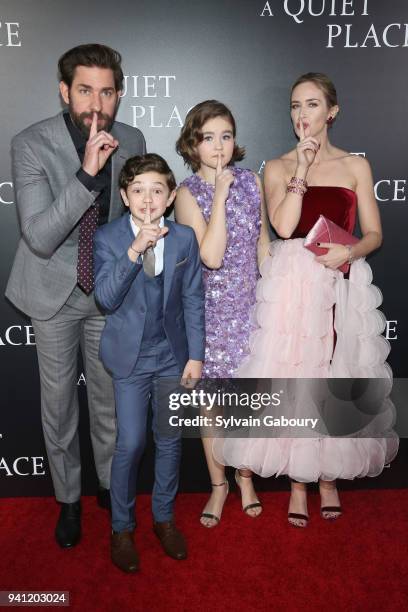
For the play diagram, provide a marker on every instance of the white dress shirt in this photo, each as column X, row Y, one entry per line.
column 158, row 249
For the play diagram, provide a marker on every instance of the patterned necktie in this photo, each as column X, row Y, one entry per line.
column 149, row 262
column 87, row 228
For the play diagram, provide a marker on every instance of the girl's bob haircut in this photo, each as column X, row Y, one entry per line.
column 191, row 133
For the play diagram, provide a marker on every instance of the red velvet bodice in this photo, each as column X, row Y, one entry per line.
column 338, row 204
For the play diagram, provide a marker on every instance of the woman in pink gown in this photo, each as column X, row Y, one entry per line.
column 311, row 321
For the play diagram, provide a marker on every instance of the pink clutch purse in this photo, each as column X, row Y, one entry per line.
column 325, row 230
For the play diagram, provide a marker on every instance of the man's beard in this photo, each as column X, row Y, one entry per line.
column 78, row 120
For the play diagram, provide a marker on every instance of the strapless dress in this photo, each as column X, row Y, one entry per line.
column 311, row 322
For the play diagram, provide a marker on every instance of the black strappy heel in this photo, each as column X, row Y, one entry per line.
column 256, row 504
column 211, row 516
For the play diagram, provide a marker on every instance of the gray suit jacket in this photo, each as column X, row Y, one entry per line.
column 50, row 202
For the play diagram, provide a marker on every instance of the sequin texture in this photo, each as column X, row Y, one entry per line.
column 230, row 290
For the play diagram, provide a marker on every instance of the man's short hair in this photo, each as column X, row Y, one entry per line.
column 150, row 162
column 90, row 55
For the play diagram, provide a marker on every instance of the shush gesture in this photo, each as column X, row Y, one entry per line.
column 99, row 148
column 307, row 147
column 223, row 179
column 148, row 226
column 149, row 233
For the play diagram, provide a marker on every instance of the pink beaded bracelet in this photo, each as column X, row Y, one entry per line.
column 299, row 190
column 297, row 185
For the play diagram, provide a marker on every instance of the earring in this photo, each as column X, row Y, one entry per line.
column 330, row 120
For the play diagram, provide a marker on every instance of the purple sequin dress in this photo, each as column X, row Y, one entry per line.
column 230, row 290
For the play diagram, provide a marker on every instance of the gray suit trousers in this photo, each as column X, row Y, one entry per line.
column 78, row 325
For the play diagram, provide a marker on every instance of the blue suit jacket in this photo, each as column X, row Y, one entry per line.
column 119, row 289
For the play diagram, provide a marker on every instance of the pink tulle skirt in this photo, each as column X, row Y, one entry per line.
column 299, row 304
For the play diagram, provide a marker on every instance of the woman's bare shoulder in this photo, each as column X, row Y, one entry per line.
column 285, row 160
column 281, row 166
column 358, row 166
column 356, row 161
column 345, row 157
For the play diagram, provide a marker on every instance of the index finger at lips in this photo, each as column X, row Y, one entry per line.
column 94, row 125
column 147, row 217
column 219, row 165
column 301, row 126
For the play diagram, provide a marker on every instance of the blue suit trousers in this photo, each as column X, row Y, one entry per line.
column 155, row 374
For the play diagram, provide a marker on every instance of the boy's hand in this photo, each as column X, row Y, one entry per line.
column 147, row 237
column 191, row 373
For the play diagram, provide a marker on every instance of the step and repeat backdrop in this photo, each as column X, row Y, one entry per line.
column 246, row 53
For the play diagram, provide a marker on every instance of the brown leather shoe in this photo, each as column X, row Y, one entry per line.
column 171, row 539
column 123, row 552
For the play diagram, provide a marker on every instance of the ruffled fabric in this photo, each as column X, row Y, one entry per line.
column 308, row 459
column 361, row 350
column 293, row 316
column 299, row 304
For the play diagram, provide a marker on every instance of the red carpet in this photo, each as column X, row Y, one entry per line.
column 357, row 563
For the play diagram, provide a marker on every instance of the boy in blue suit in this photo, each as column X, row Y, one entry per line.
column 148, row 280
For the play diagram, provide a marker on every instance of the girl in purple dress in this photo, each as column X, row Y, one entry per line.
column 223, row 205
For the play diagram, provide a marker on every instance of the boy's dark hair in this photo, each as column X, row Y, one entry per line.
column 191, row 134
column 90, row 55
column 150, row 162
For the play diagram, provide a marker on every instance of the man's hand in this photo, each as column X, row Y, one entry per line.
column 99, row 148
column 191, row 373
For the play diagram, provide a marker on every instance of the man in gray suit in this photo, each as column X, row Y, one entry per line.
column 65, row 172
